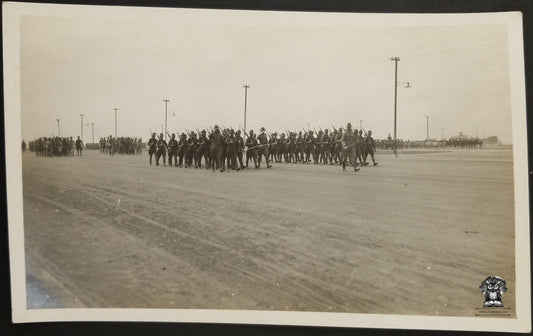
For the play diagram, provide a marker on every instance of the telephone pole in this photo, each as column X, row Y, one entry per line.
column 58, row 129
column 166, row 102
column 92, row 128
column 81, row 115
column 116, row 109
column 396, row 60
column 245, row 102
column 427, row 127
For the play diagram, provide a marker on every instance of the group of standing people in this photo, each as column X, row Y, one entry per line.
column 121, row 145
column 55, row 146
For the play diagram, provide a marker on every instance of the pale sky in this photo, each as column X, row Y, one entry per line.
column 314, row 74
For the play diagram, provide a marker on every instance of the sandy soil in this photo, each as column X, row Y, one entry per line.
column 415, row 235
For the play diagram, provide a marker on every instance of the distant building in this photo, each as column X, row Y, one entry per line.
column 492, row 140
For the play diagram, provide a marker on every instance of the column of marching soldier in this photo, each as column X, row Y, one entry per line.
column 224, row 149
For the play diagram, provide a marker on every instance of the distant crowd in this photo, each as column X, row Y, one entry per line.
column 456, row 142
column 121, row 145
column 55, row 146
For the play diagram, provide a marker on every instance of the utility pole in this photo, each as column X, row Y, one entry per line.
column 442, row 130
column 81, row 115
column 166, row 102
column 58, row 129
column 92, row 128
column 245, row 103
column 396, row 60
column 360, row 124
column 427, row 127
column 116, row 109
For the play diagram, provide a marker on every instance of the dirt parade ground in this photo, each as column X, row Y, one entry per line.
column 416, row 234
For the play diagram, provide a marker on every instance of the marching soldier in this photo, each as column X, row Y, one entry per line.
column 203, row 146
column 291, row 147
column 231, row 150
column 173, row 150
column 360, row 147
column 273, row 148
column 192, row 145
column 370, row 148
column 311, row 148
column 182, row 148
column 348, row 147
column 300, row 144
column 251, row 151
column 325, row 153
column 217, row 148
column 282, row 148
column 161, row 150
column 239, row 141
column 263, row 147
column 152, row 146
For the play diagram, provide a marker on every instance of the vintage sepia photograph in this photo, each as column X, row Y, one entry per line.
column 267, row 167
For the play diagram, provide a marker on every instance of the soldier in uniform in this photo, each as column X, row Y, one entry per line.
column 251, row 151
column 217, row 149
column 370, row 148
column 239, row 141
column 300, row 144
column 291, row 147
column 173, row 150
column 325, row 148
column 273, row 147
column 182, row 149
column 263, row 147
column 348, row 147
column 282, row 148
column 79, row 146
column 231, row 150
column 161, row 150
column 311, row 148
column 152, row 144
column 360, row 147
column 202, row 151
column 192, row 146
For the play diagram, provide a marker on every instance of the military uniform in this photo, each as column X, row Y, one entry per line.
column 370, row 147
column 251, row 151
column 239, row 141
column 348, row 147
column 231, row 150
column 182, row 149
column 217, row 148
column 262, row 150
column 202, row 151
column 152, row 146
column 173, row 150
column 79, row 146
column 161, row 150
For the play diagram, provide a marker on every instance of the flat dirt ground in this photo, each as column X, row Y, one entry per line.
column 416, row 234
